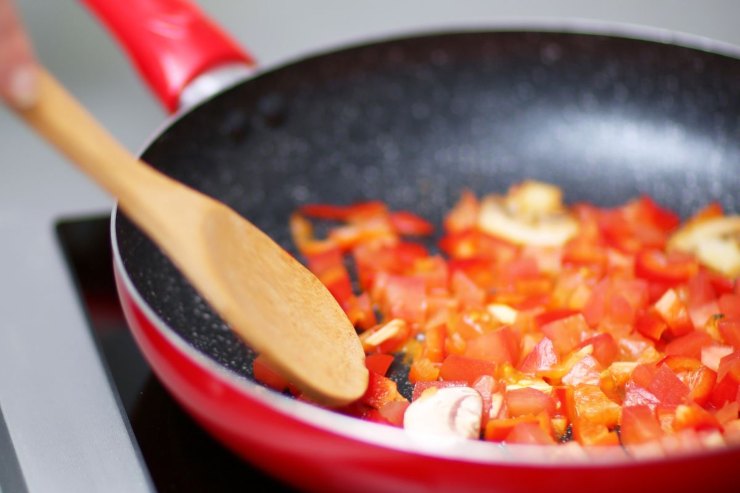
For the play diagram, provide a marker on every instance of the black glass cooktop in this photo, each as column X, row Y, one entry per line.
column 179, row 455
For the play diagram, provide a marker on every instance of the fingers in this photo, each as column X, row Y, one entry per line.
column 17, row 61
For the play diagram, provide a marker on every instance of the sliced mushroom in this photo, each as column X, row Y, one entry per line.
column 532, row 213
column 714, row 241
column 449, row 412
column 534, row 198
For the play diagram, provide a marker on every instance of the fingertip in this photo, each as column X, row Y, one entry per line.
column 22, row 90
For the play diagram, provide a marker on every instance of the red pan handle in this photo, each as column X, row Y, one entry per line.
column 171, row 42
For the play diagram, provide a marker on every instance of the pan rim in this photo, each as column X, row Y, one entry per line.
column 522, row 25
column 471, row 451
column 513, row 24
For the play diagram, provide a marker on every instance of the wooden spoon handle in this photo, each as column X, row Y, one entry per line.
column 267, row 297
column 59, row 118
column 143, row 193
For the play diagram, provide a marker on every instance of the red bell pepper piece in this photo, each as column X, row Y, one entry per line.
column 467, row 369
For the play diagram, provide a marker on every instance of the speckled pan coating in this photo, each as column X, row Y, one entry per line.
column 414, row 121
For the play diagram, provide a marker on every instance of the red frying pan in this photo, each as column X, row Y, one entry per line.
column 411, row 121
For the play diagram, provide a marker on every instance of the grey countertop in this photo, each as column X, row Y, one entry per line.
column 65, row 427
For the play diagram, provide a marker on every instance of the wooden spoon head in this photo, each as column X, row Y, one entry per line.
column 280, row 308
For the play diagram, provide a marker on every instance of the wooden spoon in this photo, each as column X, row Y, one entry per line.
column 275, row 304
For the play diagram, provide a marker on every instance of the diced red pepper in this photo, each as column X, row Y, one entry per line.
column 638, row 224
column 589, row 433
column 498, row 430
column 390, row 258
column 482, row 271
column 301, row 231
column 712, row 355
column 593, row 405
column 468, row 369
column 614, row 303
column 529, row 433
column 470, row 324
column 548, row 316
column 729, row 305
column 434, row 343
column 585, row 252
column 409, row 224
column 393, row 412
column 486, row 386
column 466, row 291
column 565, row 404
column 702, row 299
column 405, row 298
column 542, row 357
column 380, row 391
column 359, row 310
column 669, row 268
column 727, row 390
column 723, row 285
column 730, row 366
column 647, row 210
column 689, row 344
column 566, row 333
column 668, row 388
column 353, row 234
column 639, row 425
column 473, row 243
column 674, row 313
column 423, row 370
column 585, row 371
column 464, row 215
column 650, row 324
column 612, row 288
column 379, row 363
column 730, row 330
column 709, row 211
column 636, row 395
column 369, row 414
column 643, row 374
column 694, row 416
column 358, row 211
column 627, row 236
column 605, row 348
column 526, row 400
column 499, row 346
column 329, row 267
column 699, row 379
column 700, row 382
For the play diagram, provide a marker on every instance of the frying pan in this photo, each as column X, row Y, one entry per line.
column 413, row 121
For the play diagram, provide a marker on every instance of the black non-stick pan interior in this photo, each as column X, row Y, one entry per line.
column 414, row 121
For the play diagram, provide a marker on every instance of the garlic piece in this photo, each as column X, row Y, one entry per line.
column 714, row 241
column 503, row 313
column 449, row 412
column 372, row 339
column 531, row 383
column 531, row 214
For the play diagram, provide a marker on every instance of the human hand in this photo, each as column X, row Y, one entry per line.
column 17, row 60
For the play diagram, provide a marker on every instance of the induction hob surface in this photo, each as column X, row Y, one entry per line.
column 178, row 454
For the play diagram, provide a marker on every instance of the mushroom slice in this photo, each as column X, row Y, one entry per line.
column 714, row 241
column 449, row 412
column 534, row 198
column 532, row 213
